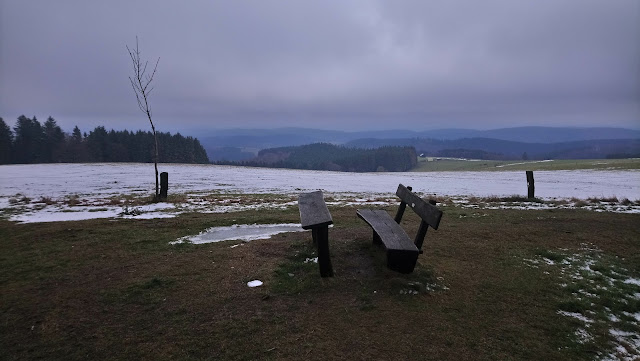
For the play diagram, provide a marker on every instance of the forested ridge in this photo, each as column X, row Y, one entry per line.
column 33, row 142
column 323, row 156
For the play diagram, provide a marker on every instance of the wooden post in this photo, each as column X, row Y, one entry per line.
column 400, row 212
column 376, row 238
column 422, row 231
column 164, row 185
column 531, row 189
column 321, row 236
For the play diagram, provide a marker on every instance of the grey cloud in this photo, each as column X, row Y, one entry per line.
column 339, row 64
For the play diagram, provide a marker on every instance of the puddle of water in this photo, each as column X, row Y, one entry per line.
column 241, row 232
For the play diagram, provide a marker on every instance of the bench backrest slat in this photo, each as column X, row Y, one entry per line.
column 429, row 213
column 313, row 210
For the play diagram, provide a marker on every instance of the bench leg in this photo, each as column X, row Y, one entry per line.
column 376, row 238
column 321, row 238
column 422, row 232
column 402, row 261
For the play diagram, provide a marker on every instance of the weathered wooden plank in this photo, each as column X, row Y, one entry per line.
column 402, row 253
column 389, row 232
column 401, row 210
column 313, row 210
column 428, row 212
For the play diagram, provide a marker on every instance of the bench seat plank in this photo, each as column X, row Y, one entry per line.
column 390, row 232
column 402, row 253
column 313, row 210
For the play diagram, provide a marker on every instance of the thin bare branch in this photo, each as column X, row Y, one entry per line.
column 141, row 84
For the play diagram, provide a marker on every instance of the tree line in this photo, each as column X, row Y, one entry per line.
column 323, row 156
column 33, row 142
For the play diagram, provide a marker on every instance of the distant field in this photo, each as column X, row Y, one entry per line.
column 448, row 164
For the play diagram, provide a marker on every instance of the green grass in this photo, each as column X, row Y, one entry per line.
column 116, row 289
column 514, row 165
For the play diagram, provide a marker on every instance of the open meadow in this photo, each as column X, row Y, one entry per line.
column 434, row 164
column 90, row 268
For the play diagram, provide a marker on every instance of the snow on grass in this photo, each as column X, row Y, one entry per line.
column 598, row 293
column 57, row 192
column 576, row 315
column 633, row 281
column 240, row 232
column 538, row 161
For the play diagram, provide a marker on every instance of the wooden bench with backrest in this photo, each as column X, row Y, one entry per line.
column 314, row 215
column 402, row 252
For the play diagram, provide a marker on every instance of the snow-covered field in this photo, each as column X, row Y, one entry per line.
column 52, row 192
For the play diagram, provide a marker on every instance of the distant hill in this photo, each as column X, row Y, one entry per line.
column 323, row 156
column 238, row 144
column 536, row 134
column 503, row 149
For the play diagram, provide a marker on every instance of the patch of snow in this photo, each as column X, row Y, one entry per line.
column 51, row 215
column 242, row 232
column 636, row 315
column 539, row 161
column 311, row 260
column 576, row 315
column 254, row 283
column 632, row 281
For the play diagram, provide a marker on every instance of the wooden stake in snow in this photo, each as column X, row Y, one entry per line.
column 164, row 185
column 531, row 189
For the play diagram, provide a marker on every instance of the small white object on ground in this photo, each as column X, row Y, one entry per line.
column 254, row 283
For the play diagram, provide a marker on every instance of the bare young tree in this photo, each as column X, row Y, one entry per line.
column 141, row 83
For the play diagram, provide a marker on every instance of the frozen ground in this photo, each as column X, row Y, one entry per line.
column 56, row 192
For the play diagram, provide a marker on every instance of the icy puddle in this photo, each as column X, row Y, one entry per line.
column 240, row 232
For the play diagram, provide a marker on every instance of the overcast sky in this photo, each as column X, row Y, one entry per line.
column 347, row 65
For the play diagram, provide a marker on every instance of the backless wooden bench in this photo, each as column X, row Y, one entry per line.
column 314, row 215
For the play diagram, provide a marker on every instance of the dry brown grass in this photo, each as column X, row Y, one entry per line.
column 107, row 289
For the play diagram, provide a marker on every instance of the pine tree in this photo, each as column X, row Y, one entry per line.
column 54, row 143
column 6, row 143
column 29, row 140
